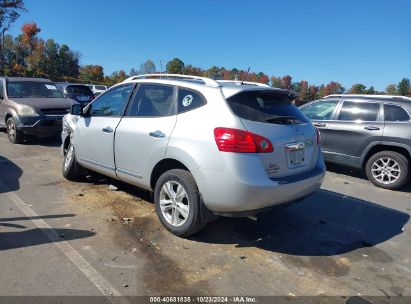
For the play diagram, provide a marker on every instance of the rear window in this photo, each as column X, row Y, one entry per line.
column 100, row 87
column 77, row 89
column 267, row 107
column 395, row 113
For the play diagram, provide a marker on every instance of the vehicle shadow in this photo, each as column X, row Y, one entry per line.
column 31, row 237
column 325, row 224
column 37, row 236
column 54, row 141
column 10, row 174
column 340, row 169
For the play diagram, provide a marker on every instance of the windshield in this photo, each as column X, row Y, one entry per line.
column 32, row 89
column 78, row 89
column 268, row 107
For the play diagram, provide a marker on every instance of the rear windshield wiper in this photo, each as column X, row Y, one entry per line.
column 287, row 120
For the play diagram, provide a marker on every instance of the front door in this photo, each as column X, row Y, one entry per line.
column 94, row 135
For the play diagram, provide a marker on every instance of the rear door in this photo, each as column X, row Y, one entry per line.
column 358, row 124
column 143, row 134
column 94, row 134
column 397, row 125
column 321, row 113
column 272, row 115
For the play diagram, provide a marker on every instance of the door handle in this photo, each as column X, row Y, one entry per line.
column 157, row 134
column 320, row 125
column 371, row 128
column 107, row 130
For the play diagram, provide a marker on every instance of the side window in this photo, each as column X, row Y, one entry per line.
column 1, row 90
column 321, row 110
column 395, row 113
column 111, row 103
column 153, row 100
column 189, row 100
column 359, row 111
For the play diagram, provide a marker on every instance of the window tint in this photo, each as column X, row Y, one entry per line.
column 189, row 100
column 112, row 102
column 361, row 111
column 321, row 110
column 395, row 113
column 269, row 107
column 99, row 87
column 77, row 89
column 153, row 100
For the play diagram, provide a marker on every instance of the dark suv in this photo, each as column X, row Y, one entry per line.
column 371, row 132
column 31, row 106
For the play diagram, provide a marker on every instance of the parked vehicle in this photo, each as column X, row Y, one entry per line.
column 206, row 148
column 31, row 106
column 370, row 132
column 97, row 89
column 78, row 92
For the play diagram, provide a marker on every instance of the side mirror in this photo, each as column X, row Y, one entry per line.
column 76, row 109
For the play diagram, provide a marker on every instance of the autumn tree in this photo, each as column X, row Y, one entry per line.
column 276, row 82
column 404, row 87
column 91, row 73
column 303, row 90
column 262, row 78
column 333, row 88
column 286, row 82
column 175, row 66
column 312, row 92
column 9, row 12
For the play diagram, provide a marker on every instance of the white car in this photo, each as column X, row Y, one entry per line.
column 97, row 89
column 206, row 148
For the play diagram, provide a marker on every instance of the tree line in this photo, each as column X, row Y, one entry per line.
column 29, row 55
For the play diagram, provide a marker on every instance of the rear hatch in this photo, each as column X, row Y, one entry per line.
column 80, row 93
column 271, row 114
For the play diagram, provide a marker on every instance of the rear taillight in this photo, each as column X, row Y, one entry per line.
column 318, row 136
column 240, row 141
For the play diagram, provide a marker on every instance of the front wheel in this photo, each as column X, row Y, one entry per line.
column 14, row 135
column 177, row 202
column 71, row 169
column 388, row 169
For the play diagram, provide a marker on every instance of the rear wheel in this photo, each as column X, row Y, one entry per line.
column 14, row 135
column 71, row 169
column 388, row 169
column 177, row 202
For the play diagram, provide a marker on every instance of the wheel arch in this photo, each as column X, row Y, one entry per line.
column 401, row 149
column 164, row 165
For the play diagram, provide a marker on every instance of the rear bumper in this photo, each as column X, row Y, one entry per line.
column 225, row 194
column 40, row 126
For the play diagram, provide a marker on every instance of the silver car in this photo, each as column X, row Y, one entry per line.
column 206, row 148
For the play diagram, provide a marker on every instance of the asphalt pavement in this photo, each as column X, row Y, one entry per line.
column 64, row 238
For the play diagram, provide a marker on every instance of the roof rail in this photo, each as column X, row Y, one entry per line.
column 371, row 96
column 239, row 82
column 208, row 81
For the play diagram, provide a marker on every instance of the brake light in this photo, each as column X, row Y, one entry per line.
column 318, row 136
column 240, row 141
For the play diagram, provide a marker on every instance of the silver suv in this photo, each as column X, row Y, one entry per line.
column 205, row 147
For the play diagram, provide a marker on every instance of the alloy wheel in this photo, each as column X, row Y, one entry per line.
column 174, row 203
column 386, row 170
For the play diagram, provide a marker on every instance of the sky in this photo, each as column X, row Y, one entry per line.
column 349, row 41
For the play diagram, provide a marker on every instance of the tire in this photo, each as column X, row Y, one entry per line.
column 388, row 169
column 71, row 169
column 181, row 214
column 13, row 134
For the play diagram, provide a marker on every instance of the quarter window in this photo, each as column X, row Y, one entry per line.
column 111, row 103
column 153, row 100
column 359, row 111
column 321, row 110
column 395, row 113
column 189, row 100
